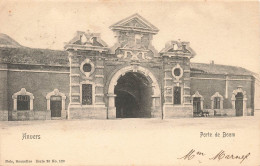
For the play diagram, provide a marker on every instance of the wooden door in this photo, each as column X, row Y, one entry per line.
column 239, row 104
column 196, row 104
column 55, row 106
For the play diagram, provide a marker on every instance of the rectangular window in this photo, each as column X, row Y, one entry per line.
column 86, row 94
column 23, row 102
column 217, row 103
column 177, row 95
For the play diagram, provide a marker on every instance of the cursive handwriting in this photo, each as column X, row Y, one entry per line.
column 223, row 155
column 219, row 156
column 192, row 154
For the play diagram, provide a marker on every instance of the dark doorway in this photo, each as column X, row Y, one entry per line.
column 55, row 106
column 239, row 104
column 196, row 105
column 133, row 98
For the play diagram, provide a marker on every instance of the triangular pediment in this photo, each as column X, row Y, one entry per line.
column 135, row 23
column 177, row 48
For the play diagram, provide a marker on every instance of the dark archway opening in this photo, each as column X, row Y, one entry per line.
column 133, row 98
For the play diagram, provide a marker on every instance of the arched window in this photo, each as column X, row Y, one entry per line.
column 217, row 101
column 22, row 100
column 177, row 95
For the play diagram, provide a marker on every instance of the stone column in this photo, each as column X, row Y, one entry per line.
column 15, row 104
column 111, row 112
column 244, row 106
column 31, row 104
column 74, row 105
column 31, row 112
column 201, row 103
column 63, row 111
column 156, row 110
column 221, row 103
column 99, row 80
column 74, row 78
column 226, row 91
column 48, row 104
column 186, row 87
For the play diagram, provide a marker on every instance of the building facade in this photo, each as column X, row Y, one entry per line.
column 131, row 79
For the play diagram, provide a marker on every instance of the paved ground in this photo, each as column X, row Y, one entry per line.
column 130, row 141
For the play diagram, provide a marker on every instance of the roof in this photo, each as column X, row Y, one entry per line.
column 219, row 69
column 32, row 56
column 7, row 41
column 135, row 22
column 13, row 52
column 175, row 48
column 86, row 39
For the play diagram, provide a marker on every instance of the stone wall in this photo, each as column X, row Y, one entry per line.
column 208, row 84
column 177, row 112
column 38, row 83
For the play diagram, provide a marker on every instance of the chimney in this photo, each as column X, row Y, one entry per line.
column 212, row 62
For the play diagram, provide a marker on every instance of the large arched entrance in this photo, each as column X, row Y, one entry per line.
column 133, row 92
column 133, row 96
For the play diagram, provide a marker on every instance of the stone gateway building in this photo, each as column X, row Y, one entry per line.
column 131, row 79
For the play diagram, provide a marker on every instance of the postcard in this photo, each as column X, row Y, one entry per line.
column 91, row 82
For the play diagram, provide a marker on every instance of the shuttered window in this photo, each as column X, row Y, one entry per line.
column 23, row 102
column 87, row 94
column 217, row 103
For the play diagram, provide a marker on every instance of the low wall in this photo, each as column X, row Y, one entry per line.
column 3, row 115
column 92, row 112
column 35, row 115
column 177, row 111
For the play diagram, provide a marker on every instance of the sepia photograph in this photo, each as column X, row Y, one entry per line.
column 109, row 82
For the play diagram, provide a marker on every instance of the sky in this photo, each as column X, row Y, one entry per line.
column 226, row 32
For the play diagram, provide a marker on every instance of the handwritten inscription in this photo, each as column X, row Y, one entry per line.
column 222, row 155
